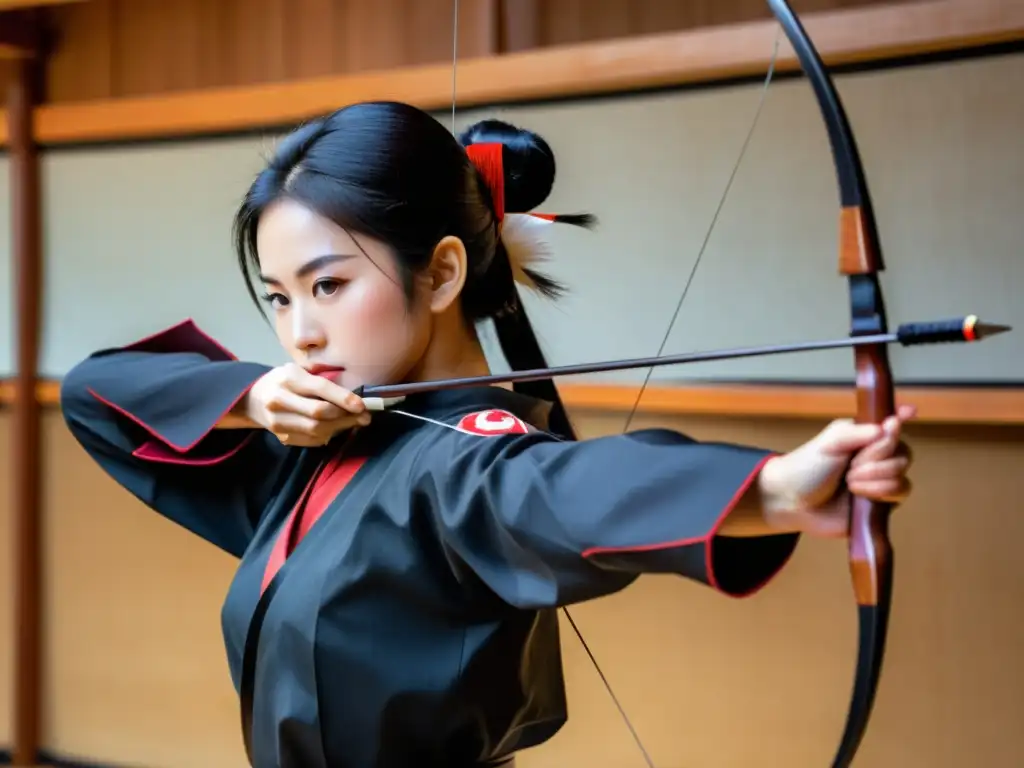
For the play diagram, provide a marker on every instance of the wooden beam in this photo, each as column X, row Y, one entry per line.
column 21, row 34
column 936, row 405
column 26, row 481
column 7, row 5
column 869, row 33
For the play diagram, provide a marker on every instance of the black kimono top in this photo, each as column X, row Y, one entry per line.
column 394, row 601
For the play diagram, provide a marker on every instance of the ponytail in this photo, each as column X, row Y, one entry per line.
column 516, row 169
column 522, row 352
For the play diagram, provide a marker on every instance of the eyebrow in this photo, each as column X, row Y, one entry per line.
column 311, row 266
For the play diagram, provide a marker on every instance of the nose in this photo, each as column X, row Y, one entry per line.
column 307, row 333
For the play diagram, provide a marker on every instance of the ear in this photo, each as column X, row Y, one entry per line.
column 447, row 273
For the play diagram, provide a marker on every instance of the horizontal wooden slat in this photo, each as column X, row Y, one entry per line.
column 47, row 392
column 843, row 37
column 6, row 5
column 936, row 405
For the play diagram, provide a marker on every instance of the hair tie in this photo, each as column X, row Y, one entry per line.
column 489, row 161
column 520, row 233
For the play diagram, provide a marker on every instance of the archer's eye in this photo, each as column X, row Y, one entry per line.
column 327, row 287
column 275, row 300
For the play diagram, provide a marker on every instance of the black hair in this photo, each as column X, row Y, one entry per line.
column 393, row 172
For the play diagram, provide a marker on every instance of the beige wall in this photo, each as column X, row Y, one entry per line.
column 136, row 670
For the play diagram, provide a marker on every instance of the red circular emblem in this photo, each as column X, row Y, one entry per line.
column 493, row 423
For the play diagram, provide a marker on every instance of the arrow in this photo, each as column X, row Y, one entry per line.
column 965, row 329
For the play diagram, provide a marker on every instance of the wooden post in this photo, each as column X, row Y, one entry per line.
column 26, row 251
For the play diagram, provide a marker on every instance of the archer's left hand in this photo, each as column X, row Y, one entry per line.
column 804, row 489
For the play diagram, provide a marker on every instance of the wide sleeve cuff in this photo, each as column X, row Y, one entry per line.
column 176, row 386
column 738, row 566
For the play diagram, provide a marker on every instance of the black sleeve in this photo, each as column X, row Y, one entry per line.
column 146, row 414
column 545, row 523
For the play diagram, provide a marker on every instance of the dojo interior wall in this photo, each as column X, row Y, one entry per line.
column 137, row 237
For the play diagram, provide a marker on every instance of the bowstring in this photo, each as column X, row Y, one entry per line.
column 455, row 56
column 711, row 227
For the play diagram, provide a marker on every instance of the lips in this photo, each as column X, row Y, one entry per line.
column 327, row 371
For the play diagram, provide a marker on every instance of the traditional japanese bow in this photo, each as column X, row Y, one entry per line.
column 860, row 260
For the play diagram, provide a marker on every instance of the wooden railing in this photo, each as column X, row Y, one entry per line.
column 935, row 405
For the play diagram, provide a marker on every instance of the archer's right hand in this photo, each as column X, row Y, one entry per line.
column 301, row 408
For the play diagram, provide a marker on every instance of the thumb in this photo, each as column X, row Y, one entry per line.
column 844, row 437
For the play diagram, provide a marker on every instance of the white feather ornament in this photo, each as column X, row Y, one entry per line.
column 523, row 237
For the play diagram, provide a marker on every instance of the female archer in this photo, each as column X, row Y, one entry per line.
column 399, row 570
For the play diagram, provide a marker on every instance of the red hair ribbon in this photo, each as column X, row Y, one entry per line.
column 489, row 162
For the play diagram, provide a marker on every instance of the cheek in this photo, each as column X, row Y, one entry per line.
column 379, row 328
column 375, row 306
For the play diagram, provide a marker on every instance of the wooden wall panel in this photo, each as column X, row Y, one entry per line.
column 119, row 48
column 576, row 21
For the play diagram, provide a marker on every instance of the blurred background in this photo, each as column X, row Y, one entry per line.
column 132, row 130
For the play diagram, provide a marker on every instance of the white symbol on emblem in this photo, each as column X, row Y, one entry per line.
column 493, row 423
column 487, row 422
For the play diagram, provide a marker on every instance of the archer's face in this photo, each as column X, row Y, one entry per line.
column 337, row 300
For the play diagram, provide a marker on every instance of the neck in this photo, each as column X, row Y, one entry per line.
column 454, row 352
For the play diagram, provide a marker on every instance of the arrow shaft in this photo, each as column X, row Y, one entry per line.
column 412, row 388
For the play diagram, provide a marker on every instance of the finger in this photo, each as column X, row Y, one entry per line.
column 878, row 450
column 882, row 452
column 299, row 441
column 293, row 425
column 888, row 444
column 894, row 424
column 346, row 422
column 846, row 435
column 892, row 491
column 307, row 384
column 314, row 440
column 297, row 425
column 287, row 401
column 906, row 412
column 886, row 469
column 843, row 436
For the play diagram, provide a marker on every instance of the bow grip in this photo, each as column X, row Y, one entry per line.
column 870, row 552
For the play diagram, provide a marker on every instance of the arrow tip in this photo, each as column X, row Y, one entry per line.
column 983, row 330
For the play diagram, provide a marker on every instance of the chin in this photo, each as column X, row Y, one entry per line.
column 352, row 380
